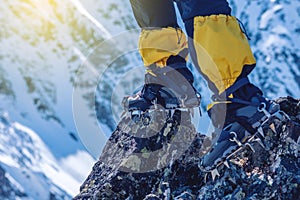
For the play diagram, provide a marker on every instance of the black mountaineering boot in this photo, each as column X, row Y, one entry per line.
column 244, row 119
column 170, row 87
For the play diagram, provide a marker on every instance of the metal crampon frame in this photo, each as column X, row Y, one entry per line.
column 144, row 117
column 257, row 137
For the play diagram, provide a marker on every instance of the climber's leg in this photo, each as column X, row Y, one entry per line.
column 163, row 47
column 220, row 50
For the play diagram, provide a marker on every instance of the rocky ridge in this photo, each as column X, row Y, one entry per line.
column 129, row 169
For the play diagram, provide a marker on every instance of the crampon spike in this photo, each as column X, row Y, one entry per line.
column 272, row 127
column 250, row 146
column 258, row 140
column 226, row 164
column 214, row 174
column 261, row 131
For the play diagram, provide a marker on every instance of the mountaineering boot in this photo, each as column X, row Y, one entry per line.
column 143, row 99
column 242, row 122
column 170, row 87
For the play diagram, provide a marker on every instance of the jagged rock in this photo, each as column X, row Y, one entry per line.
column 161, row 162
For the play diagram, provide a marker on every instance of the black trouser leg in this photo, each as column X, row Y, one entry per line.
column 154, row 13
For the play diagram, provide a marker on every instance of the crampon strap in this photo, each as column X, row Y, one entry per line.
column 237, row 85
column 166, row 69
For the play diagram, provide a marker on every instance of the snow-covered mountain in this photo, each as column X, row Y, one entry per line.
column 66, row 63
column 43, row 43
column 273, row 27
column 29, row 170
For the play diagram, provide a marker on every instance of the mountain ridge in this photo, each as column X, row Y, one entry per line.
column 134, row 166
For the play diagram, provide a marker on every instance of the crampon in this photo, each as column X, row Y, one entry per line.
column 248, row 142
column 165, row 102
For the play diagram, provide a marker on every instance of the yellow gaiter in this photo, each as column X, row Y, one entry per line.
column 157, row 45
column 222, row 49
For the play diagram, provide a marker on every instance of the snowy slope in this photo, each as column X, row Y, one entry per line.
column 115, row 15
column 39, row 38
column 37, row 65
column 273, row 27
column 29, row 167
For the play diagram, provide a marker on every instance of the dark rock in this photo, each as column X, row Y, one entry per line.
column 161, row 162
